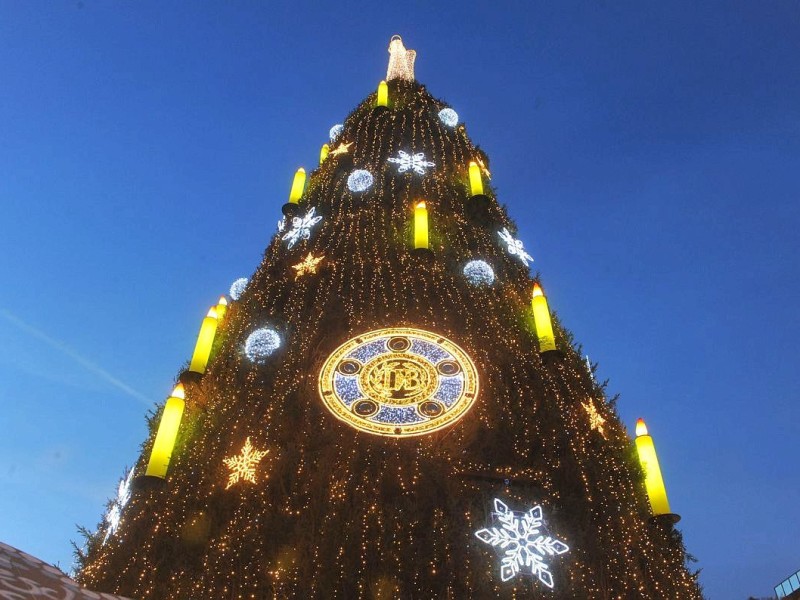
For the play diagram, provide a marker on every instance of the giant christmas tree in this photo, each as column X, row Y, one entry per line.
column 384, row 410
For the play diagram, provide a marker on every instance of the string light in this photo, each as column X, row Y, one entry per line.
column 345, row 505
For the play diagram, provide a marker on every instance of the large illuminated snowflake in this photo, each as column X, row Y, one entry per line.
column 414, row 162
column 521, row 543
column 114, row 513
column 243, row 465
column 514, row 246
column 300, row 228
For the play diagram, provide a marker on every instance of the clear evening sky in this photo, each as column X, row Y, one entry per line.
column 648, row 151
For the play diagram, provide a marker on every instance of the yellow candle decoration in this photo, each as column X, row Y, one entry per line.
column 202, row 349
column 653, row 480
column 323, row 153
column 541, row 318
column 475, row 179
column 298, row 185
column 221, row 308
column 420, row 225
column 383, row 94
column 167, row 433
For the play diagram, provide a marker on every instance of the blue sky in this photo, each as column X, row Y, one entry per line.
column 649, row 153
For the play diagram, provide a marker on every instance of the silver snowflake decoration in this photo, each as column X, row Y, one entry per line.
column 521, row 542
column 300, row 229
column 414, row 162
column 114, row 513
column 514, row 246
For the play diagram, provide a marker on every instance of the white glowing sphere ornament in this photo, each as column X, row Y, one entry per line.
column 237, row 288
column 335, row 131
column 360, row 180
column 449, row 117
column 479, row 272
column 261, row 344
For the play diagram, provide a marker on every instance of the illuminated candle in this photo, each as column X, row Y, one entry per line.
column 202, row 349
column 475, row 179
column 221, row 308
column 167, row 433
column 323, row 153
column 383, row 94
column 298, row 185
column 541, row 318
column 653, row 480
column 420, row 226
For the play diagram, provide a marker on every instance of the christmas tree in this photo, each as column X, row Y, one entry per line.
column 387, row 409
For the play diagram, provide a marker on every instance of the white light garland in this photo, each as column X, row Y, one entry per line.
column 449, row 117
column 238, row 287
column 261, row 344
column 301, row 227
column 521, row 543
column 414, row 162
column 514, row 246
column 335, row 132
column 360, row 180
column 479, row 272
column 114, row 513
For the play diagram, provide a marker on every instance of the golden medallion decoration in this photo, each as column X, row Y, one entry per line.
column 398, row 382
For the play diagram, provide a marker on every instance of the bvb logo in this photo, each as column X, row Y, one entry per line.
column 398, row 379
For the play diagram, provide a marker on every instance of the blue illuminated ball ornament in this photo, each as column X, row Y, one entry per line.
column 479, row 272
column 335, row 131
column 359, row 180
column 261, row 343
column 449, row 117
column 237, row 288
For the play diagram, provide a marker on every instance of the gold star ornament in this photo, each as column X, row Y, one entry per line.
column 341, row 149
column 596, row 420
column 308, row 265
column 243, row 465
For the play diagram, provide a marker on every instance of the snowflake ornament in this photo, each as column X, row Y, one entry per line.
column 413, row 162
column 114, row 513
column 514, row 246
column 522, row 544
column 243, row 465
column 596, row 420
column 300, row 229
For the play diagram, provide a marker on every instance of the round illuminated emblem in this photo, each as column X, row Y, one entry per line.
column 398, row 382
